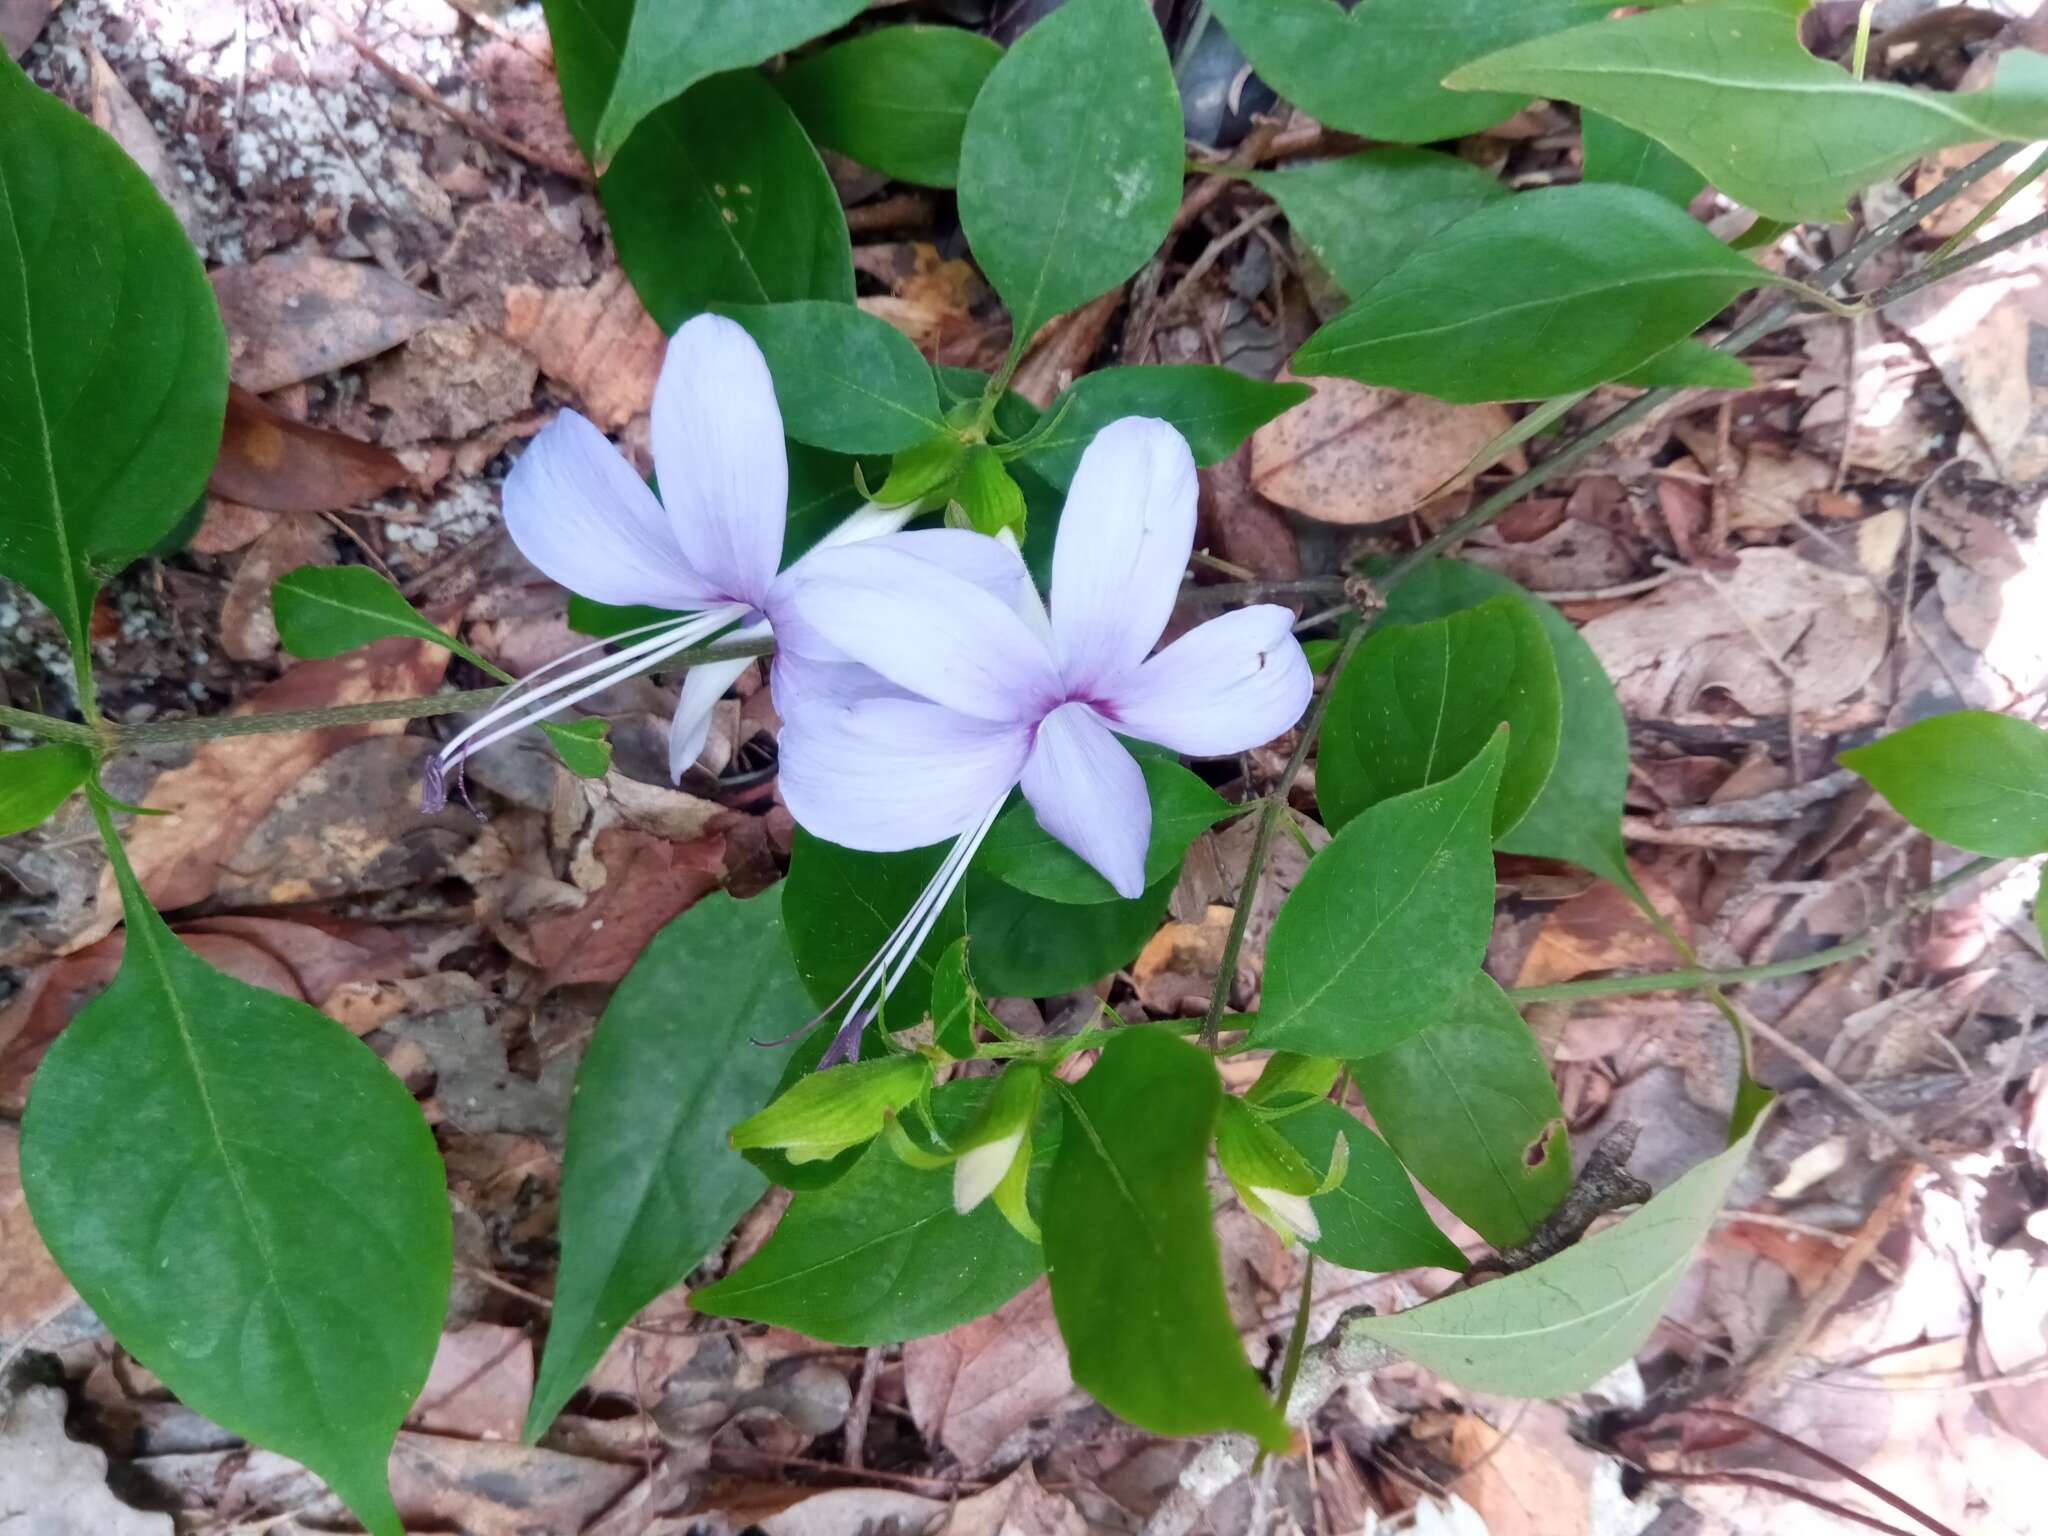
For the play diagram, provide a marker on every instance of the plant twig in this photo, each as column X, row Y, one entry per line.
column 1603, row 1185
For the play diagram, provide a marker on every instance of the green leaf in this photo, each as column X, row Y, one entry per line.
column 1560, row 1325
column 822, row 1114
column 881, row 1256
column 674, row 44
column 1577, row 817
column 722, row 200
column 250, row 1200
column 1691, row 364
column 954, row 1002
column 842, row 906
column 1360, row 215
column 1389, row 922
column 1375, row 71
column 2041, row 911
column 115, row 384
column 1288, row 1081
column 1470, row 1107
column 1540, row 294
column 1021, row 853
column 323, row 610
column 1373, row 1220
column 582, row 746
column 1028, row 947
column 650, row 1185
column 1137, row 1284
column 1616, row 152
column 845, row 379
column 894, row 99
column 1419, row 701
column 1214, row 408
column 1070, row 170
column 34, row 781
column 1728, row 88
column 1971, row 778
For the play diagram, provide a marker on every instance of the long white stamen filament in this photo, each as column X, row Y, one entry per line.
column 513, row 714
column 893, row 963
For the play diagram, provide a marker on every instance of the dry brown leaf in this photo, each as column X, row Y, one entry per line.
column 32, row 1288
column 114, row 110
column 1356, row 454
column 232, row 781
column 2013, row 1337
column 1574, row 556
column 248, row 629
column 1017, row 1506
column 1979, row 328
column 229, row 526
column 22, row 22
column 452, row 379
column 296, row 317
column 648, row 881
column 599, row 341
column 478, row 1387
column 972, row 1388
column 1239, row 525
column 931, row 301
column 56, row 1483
column 1602, row 930
column 270, row 461
column 1699, row 641
column 843, row 1510
column 1515, row 1487
column 525, row 100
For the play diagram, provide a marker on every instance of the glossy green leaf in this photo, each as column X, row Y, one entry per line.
column 881, row 1256
column 845, row 379
column 251, row 1202
column 1376, row 71
column 1470, row 1107
column 1616, row 152
column 1373, row 1220
column 1560, row 1325
column 721, row 199
column 581, row 745
column 1389, row 922
column 649, row 1184
column 1971, row 778
column 1691, row 364
column 324, row 610
column 673, row 44
column 894, row 99
column 1021, row 853
column 842, row 906
column 116, row 375
column 1360, row 215
column 1578, row 815
column 1728, row 88
column 1137, row 1283
column 1025, row 946
column 34, row 781
column 1419, row 701
column 1539, row 294
column 1070, row 170
column 1214, row 408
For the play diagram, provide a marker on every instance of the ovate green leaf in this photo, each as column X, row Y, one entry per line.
column 1137, row 1284
column 1214, row 408
column 1540, row 294
column 581, row 745
column 880, row 1256
column 1419, row 701
column 1389, row 923
column 1616, row 152
column 1025, row 946
column 673, row 44
column 895, row 99
column 34, row 781
column 649, row 1183
column 1360, row 215
column 1728, row 88
column 1376, row 71
column 1470, row 1107
column 1070, row 171
column 1373, row 1220
column 845, row 379
column 323, row 610
column 1691, row 364
column 250, row 1200
column 1560, row 1325
column 1971, row 778
column 116, row 375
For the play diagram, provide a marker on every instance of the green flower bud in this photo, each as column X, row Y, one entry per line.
column 987, row 498
column 999, row 1146
column 1290, row 1081
column 825, row 1113
column 923, row 476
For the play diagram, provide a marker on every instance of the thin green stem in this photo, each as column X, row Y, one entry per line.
column 1858, row 944
column 1861, row 56
column 49, row 729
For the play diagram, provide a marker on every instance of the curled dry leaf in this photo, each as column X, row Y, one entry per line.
column 1355, row 454
column 1775, row 631
column 270, row 461
column 296, row 317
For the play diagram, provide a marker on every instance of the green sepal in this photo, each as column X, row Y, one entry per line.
column 923, row 475
column 1009, row 1196
column 1290, row 1081
column 908, row 1150
column 1255, row 1156
column 985, row 498
column 824, row 1114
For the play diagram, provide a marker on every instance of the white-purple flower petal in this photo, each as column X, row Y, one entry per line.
column 1088, row 791
column 1223, row 687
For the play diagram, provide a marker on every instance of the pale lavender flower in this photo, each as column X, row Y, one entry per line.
column 913, row 701
column 708, row 550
